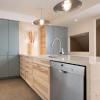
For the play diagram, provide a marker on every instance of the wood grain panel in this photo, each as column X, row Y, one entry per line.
column 36, row 73
column 42, row 41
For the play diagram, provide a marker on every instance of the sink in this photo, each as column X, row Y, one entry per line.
column 53, row 56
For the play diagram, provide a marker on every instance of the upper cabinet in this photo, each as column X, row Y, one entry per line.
column 3, row 37
column 9, row 37
column 48, row 35
column 13, row 38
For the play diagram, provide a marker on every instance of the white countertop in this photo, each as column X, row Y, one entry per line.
column 70, row 59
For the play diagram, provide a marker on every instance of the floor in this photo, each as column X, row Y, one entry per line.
column 16, row 89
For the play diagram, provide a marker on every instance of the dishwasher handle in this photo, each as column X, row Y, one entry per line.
column 62, row 71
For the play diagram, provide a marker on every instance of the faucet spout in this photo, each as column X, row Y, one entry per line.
column 57, row 39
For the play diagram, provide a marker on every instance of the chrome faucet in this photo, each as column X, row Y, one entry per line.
column 60, row 49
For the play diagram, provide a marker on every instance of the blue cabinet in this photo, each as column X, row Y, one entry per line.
column 3, row 37
column 13, row 65
column 9, row 48
column 13, row 48
column 13, row 38
column 3, row 66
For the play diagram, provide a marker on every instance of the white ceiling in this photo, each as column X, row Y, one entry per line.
column 30, row 10
column 30, row 7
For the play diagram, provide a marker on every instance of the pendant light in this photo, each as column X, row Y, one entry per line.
column 41, row 21
column 67, row 5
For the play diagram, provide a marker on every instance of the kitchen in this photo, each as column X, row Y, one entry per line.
column 48, row 52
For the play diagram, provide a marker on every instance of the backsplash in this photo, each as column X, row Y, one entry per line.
column 61, row 36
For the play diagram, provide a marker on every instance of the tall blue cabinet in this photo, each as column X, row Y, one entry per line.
column 9, row 48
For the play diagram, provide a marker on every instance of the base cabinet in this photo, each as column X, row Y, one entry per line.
column 36, row 73
column 41, row 80
column 3, row 66
column 13, row 65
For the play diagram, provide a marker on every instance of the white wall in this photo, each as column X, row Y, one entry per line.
column 24, row 28
column 82, row 27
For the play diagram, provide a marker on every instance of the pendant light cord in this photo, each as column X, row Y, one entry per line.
column 41, row 13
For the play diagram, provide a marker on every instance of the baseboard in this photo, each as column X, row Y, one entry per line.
column 9, row 77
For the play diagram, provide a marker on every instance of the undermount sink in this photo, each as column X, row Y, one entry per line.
column 54, row 56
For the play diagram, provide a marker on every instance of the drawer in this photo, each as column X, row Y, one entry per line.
column 26, row 59
column 41, row 88
column 29, row 78
column 23, row 73
column 41, row 75
column 37, row 60
column 42, row 68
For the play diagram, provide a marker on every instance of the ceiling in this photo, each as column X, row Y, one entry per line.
column 30, row 10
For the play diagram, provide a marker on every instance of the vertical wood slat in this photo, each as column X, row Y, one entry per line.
column 42, row 40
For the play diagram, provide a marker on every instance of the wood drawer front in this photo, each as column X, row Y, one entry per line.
column 41, row 76
column 29, row 78
column 26, row 60
column 37, row 60
column 27, row 66
column 23, row 73
column 44, row 85
column 42, row 68
column 44, row 75
column 41, row 90
column 37, row 75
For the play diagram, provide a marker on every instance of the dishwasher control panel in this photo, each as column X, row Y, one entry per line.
column 75, row 69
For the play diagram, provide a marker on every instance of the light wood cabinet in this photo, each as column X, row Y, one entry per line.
column 26, row 69
column 36, row 73
column 41, row 80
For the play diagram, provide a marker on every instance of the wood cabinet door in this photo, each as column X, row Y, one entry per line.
column 23, row 73
column 22, row 68
column 41, row 81
column 29, row 78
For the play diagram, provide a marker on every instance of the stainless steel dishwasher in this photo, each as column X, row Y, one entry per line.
column 67, row 81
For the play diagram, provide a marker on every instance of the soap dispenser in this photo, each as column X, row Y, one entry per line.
column 62, row 50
